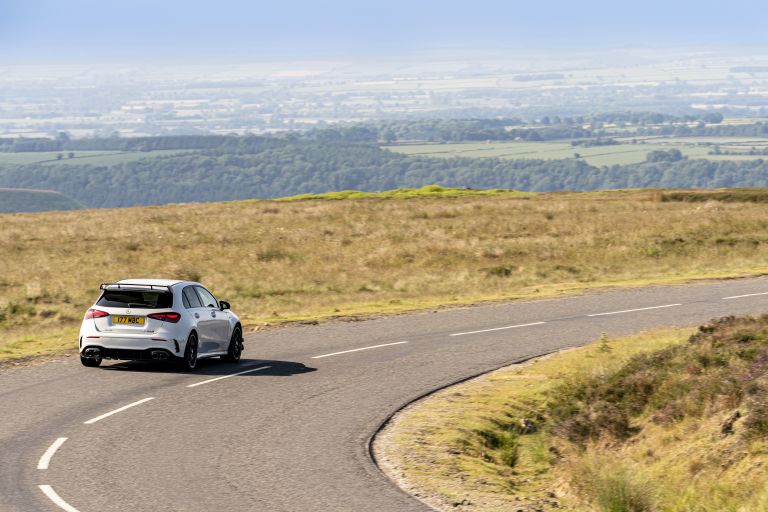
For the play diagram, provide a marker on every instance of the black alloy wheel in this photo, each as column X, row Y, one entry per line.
column 235, row 349
column 189, row 361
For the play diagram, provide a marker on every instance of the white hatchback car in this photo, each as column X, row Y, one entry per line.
column 159, row 319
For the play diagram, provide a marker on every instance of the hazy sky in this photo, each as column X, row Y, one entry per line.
column 82, row 30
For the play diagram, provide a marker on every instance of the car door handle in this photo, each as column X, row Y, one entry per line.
column 197, row 315
column 213, row 314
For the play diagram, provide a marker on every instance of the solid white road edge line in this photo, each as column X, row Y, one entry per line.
column 498, row 328
column 747, row 295
column 228, row 376
column 632, row 310
column 359, row 349
column 56, row 499
column 46, row 458
column 134, row 404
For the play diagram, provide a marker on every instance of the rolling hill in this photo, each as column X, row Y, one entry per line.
column 15, row 200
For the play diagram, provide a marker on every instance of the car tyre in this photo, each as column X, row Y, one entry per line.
column 235, row 349
column 91, row 362
column 189, row 361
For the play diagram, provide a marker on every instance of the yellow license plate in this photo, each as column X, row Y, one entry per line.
column 128, row 320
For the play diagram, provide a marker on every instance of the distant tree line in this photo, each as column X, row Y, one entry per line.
column 115, row 143
column 589, row 143
column 267, row 168
column 222, row 143
column 646, row 118
column 557, row 127
column 665, row 155
column 432, row 130
column 753, row 151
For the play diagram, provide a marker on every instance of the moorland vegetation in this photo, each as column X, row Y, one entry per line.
column 317, row 257
column 662, row 421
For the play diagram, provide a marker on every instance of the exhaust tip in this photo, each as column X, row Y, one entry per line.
column 159, row 355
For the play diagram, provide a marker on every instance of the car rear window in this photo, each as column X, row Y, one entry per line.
column 139, row 299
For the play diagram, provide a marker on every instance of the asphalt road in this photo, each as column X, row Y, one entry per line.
column 292, row 433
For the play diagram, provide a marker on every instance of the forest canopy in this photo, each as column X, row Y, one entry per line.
column 263, row 167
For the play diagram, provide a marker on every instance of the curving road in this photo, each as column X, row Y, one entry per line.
column 288, row 428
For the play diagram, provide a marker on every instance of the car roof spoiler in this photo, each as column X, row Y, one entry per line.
column 129, row 286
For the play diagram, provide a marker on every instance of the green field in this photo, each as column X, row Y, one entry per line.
column 621, row 154
column 83, row 157
column 404, row 193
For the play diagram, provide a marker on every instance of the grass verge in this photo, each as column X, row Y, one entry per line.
column 661, row 421
column 444, row 447
column 21, row 347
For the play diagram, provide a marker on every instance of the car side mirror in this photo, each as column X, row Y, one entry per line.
column 224, row 305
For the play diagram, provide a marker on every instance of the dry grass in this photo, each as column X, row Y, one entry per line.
column 696, row 416
column 727, row 195
column 639, row 424
column 438, row 448
column 279, row 261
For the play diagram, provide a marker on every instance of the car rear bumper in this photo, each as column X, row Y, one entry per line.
column 129, row 347
column 149, row 354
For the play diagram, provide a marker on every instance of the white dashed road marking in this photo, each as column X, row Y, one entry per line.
column 46, row 458
column 228, row 376
column 747, row 295
column 134, row 404
column 633, row 310
column 359, row 349
column 498, row 328
column 55, row 498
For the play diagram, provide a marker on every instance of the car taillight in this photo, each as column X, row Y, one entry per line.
column 95, row 313
column 170, row 316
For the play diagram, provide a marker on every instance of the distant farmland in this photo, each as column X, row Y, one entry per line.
column 623, row 153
